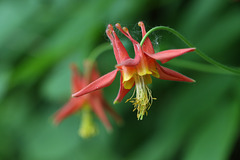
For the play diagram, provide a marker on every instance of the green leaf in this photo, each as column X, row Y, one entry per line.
column 216, row 138
column 183, row 109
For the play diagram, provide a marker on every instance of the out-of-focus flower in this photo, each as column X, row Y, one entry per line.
column 136, row 72
column 93, row 102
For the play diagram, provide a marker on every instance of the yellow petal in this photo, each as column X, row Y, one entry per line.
column 143, row 71
column 143, row 68
column 127, row 73
column 128, row 84
column 155, row 73
column 147, row 79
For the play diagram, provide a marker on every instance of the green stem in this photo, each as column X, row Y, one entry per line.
column 99, row 50
column 93, row 56
column 200, row 53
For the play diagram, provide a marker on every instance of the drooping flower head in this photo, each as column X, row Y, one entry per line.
column 87, row 104
column 137, row 72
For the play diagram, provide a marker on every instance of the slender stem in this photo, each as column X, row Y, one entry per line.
column 99, row 50
column 93, row 56
column 200, row 53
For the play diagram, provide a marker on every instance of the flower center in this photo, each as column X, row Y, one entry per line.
column 88, row 128
column 144, row 99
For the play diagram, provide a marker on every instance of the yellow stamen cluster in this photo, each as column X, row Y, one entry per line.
column 87, row 128
column 144, row 99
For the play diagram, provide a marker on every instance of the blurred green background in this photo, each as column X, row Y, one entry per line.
column 39, row 40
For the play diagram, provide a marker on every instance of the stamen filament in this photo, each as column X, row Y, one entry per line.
column 87, row 128
column 144, row 99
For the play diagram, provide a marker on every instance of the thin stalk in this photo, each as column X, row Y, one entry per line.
column 99, row 50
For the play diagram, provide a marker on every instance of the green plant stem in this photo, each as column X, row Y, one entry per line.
column 93, row 56
column 201, row 54
column 99, row 50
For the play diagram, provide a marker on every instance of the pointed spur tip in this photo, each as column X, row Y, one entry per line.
column 192, row 49
column 108, row 31
column 118, row 25
column 125, row 29
column 110, row 27
column 190, row 80
column 140, row 23
column 116, row 102
column 77, row 94
column 73, row 66
column 109, row 129
column 74, row 95
column 56, row 122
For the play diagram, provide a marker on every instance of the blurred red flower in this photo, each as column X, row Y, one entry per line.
column 93, row 102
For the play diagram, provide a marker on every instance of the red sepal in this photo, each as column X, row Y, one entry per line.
column 167, row 55
column 100, row 83
column 121, row 93
column 168, row 74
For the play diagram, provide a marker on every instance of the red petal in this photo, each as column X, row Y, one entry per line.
column 77, row 80
column 119, row 50
column 147, row 45
column 167, row 55
column 95, row 74
column 130, row 62
column 71, row 107
column 168, row 74
column 100, row 83
column 121, row 93
column 126, row 33
column 136, row 45
column 98, row 109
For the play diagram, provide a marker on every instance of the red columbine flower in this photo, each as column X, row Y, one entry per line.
column 88, row 103
column 136, row 72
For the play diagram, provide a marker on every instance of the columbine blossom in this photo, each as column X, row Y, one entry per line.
column 137, row 72
column 93, row 102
